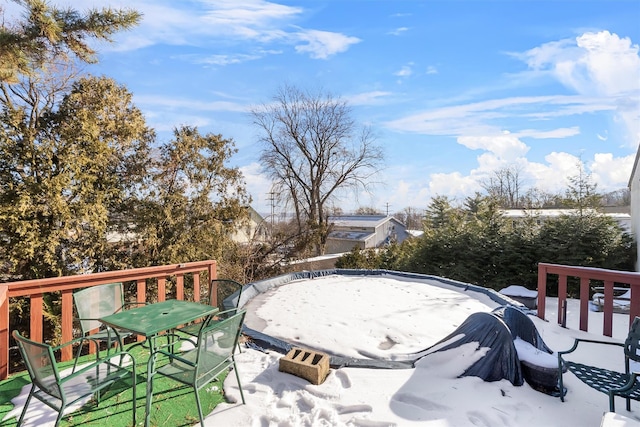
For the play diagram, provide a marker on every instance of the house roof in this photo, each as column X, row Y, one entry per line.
column 363, row 221
column 360, row 236
column 548, row 213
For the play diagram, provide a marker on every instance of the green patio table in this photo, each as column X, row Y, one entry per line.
column 153, row 319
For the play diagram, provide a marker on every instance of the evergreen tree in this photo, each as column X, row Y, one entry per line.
column 64, row 167
column 48, row 32
column 191, row 205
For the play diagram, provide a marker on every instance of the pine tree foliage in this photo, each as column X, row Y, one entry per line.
column 192, row 203
column 474, row 243
column 65, row 166
column 48, row 32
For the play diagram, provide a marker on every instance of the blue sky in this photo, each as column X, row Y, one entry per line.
column 453, row 90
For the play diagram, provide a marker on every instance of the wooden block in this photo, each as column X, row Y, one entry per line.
column 310, row 365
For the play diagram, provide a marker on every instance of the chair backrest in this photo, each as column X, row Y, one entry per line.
column 41, row 365
column 96, row 302
column 632, row 343
column 228, row 293
column 216, row 344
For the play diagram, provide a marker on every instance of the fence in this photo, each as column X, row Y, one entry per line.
column 36, row 289
column 586, row 275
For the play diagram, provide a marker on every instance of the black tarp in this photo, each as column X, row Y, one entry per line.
column 488, row 331
column 521, row 326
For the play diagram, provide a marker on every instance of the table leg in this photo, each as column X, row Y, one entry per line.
column 150, row 371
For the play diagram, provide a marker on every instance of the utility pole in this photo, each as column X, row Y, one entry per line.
column 272, row 197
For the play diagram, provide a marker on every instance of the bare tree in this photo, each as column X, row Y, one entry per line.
column 312, row 150
column 368, row 210
column 505, row 185
column 411, row 217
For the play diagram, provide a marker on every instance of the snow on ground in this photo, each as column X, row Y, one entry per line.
column 383, row 317
column 345, row 315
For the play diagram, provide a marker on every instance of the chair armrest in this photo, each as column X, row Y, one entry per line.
column 176, row 357
column 172, row 340
column 579, row 340
column 72, row 342
column 86, row 318
column 98, row 362
column 127, row 304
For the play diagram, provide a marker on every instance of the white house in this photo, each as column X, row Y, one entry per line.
column 634, row 190
column 622, row 217
column 252, row 230
column 363, row 231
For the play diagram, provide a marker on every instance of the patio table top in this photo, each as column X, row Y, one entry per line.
column 152, row 319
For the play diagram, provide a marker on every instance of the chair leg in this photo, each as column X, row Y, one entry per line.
column 26, row 405
column 560, row 382
column 133, row 381
column 235, row 368
column 195, row 389
column 75, row 362
column 612, row 405
column 63, row 406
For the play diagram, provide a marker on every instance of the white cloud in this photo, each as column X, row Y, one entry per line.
column 548, row 134
column 611, row 173
column 229, row 22
column 399, row 31
column 431, row 69
column 553, row 176
column 221, row 60
column 323, row 44
column 599, row 65
column 368, row 98
column 170, row 102
column 453, row 184
column 506, row 146
column 405, row 71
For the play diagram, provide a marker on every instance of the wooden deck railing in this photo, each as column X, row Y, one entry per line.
column 586, row 274
column 35, row 289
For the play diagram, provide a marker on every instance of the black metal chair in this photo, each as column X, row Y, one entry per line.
column 623, row 384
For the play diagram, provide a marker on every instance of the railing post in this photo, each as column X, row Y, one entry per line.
column 607, row 325
column 36, row 331
column 542, row 290
column 180, row 286
column 213, row 289
column 142, row 297
column 196, row 286
column 162, row 289
column 562, row 298
column 67, row 323
column 4, row 332
column 584, row 303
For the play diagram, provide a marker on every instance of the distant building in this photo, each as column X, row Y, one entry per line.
column 363, row 231
column 252, row 230
column 621, row 215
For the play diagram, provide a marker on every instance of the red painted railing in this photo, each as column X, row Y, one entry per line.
column 586, row 274
column 35, row 289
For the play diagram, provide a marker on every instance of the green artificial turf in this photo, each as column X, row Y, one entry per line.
column 173, row 405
